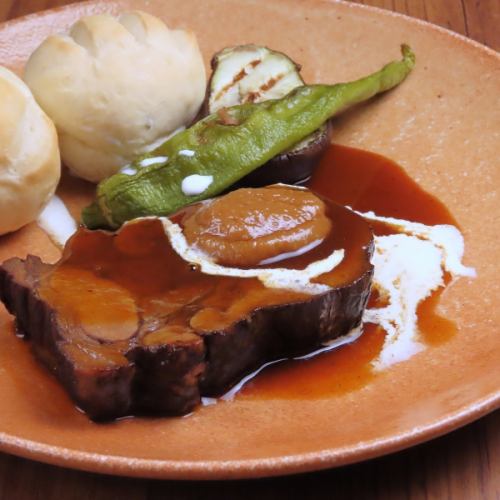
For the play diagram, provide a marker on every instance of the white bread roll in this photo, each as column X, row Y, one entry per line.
column 114, row 87
column 30, row 165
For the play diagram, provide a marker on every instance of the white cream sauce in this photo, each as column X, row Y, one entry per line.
column 128, row 170
column 186, row 152
column 131, row 169
column 153, row 161
column 196, row 184
column 57, row 222
column 291, row 255
column 408, row 267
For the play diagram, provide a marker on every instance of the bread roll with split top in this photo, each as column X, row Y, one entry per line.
column 30, row 164
column 115, row 87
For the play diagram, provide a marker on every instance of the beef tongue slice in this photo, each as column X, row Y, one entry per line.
column 115, row 319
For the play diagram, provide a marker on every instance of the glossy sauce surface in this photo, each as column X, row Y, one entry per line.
column 345, row 175
column 158, row 296
column 250, row 227
column 366, row 182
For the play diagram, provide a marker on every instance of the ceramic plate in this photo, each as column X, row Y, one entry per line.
column 441, row 125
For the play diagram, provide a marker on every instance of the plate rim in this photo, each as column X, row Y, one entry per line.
column 489, row 51
column 244, row 469
column 257, row 467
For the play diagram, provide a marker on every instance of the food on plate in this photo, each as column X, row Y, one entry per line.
column 251, row 227
column 145, row 320
column 116, row 87
column 167, row 311
column 30, row 165
column 227, row 145
column 252, row 73
column 293, row 166
column 409, row 264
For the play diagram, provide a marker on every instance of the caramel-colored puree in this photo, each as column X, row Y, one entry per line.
column 248, row 227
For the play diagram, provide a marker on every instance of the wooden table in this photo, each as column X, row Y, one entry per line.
column 462, row 465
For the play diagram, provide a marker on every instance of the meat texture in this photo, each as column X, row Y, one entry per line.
column 153, row 360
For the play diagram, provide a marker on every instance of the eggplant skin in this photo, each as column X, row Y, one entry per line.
column 294, row 166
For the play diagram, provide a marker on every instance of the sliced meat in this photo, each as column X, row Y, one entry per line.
column 114, row 319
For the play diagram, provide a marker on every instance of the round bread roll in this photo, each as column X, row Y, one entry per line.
column 115, row 87
column 30, row 165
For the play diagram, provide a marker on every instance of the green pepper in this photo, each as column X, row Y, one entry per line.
column 228, row 145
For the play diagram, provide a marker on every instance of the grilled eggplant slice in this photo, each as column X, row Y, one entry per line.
column 252, row 73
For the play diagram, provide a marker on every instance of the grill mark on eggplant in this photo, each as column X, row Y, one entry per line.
column 239, row 76
column 253, row 96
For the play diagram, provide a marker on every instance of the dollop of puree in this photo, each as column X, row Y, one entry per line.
column 249, row 226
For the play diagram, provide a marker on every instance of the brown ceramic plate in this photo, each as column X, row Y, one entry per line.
column 442, row 125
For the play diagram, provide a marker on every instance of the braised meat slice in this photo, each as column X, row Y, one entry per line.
column 129, row 327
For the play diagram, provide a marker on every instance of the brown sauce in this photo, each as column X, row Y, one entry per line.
column 434, row 329
column 366, row 182
column 137, row 271
column 342, row 370
column 363, row 180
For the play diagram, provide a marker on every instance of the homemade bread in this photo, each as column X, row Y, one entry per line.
column 115, row 87
column 30, row 165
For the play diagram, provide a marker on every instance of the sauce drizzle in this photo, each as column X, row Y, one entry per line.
column 366, row 182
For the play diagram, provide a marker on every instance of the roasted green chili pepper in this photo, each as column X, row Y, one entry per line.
column 229, row 144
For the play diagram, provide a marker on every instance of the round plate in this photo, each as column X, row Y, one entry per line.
column 441, row 125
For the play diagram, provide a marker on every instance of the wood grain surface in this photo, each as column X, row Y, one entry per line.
column 462, row 465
